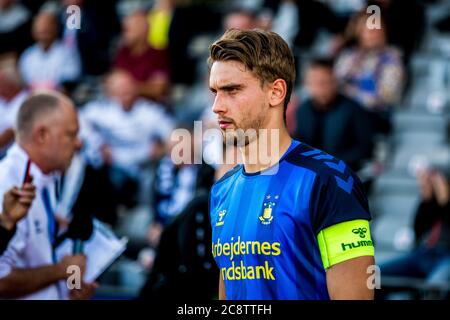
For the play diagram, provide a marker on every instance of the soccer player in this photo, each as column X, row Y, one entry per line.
column 295, row 226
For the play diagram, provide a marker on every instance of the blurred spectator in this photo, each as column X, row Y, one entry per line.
column 401, row 32
column 430, row 260
column 123, row 134
column 159, row 19
column 48, row 63
column 11, row 97
column 175, row 185
column 372, row 73
column 330, row 121
column 99, row 25
column 148, row 66
column 15, row 25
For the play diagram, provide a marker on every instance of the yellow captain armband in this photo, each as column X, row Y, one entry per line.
column 345, row 241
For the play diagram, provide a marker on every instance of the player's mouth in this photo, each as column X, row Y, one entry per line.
column 225, row 124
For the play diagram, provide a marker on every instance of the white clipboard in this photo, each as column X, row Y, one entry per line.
column 101, row 250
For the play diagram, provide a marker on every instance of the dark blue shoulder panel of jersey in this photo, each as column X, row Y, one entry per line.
column 337, row 195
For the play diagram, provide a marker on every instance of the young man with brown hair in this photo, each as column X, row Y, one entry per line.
column 294, row 225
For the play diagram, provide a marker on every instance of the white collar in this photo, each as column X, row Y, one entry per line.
column 56, row 44
column 39, row 178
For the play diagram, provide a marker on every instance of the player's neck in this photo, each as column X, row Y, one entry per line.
column 266, row 150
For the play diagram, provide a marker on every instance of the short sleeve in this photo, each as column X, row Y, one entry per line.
column 337, row 198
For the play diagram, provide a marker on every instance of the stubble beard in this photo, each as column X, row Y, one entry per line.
column 245, row 133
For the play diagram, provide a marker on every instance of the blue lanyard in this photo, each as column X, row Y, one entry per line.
column 51, row 228
column 50, row 216
column 51, row 223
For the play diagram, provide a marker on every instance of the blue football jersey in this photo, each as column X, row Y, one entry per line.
column 266, row 225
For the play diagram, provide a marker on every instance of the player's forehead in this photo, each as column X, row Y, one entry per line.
column 225, row 72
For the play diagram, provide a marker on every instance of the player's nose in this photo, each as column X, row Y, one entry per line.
column 218, row 105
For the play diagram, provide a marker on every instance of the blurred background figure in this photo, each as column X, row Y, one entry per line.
column 99, row 26
column 12, row 94
column 372, row 72
column 148, row 66
column 124, row 134
column 401, row 33
column 332, row 122
column 430, row 259
column 48, row 63
column 176, row 184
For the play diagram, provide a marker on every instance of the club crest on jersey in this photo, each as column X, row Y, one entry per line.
column 221, row 216
column 267, row 217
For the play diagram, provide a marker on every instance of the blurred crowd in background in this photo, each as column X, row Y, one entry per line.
column 136, row 70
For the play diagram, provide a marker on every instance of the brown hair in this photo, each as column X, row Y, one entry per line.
column 264, row 53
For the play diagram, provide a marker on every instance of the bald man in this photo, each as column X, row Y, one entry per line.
column 47, row 136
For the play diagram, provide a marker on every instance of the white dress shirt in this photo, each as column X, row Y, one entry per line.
column 50, row 68
column 30, row 247
column 130, row 134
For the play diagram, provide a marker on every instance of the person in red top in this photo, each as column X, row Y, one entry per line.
column 148, row 66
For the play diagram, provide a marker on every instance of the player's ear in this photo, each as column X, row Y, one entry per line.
column 39, row 134
column 278, row 92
